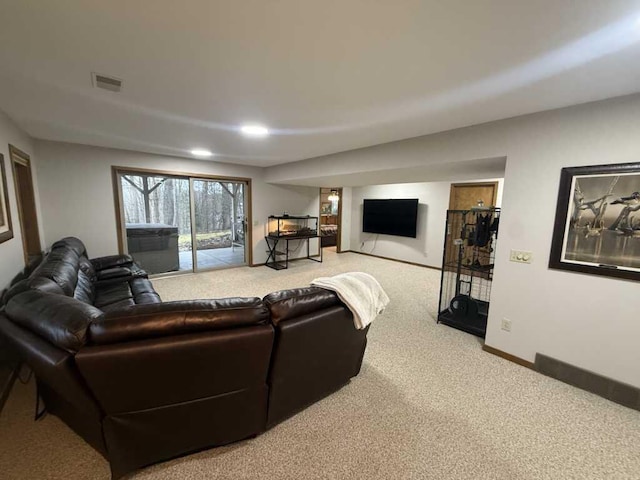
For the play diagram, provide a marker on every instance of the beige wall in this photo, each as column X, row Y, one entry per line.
column 76, row 192
column 427, row 247
column 585, row 320
column 345, row 240
column 11, row 251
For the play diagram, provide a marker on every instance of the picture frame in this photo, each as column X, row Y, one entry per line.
column 597, row 222
column 325, row 208
column 6, row 228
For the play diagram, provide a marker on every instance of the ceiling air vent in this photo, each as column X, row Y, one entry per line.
column 107, row 83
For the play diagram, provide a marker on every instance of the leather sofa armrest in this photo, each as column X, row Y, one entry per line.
column 111, row 261
column 148, row 321
column 119, row 274
column 113, row 272
column 63, row 321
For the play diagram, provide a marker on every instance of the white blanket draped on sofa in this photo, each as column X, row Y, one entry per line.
column 360, row 292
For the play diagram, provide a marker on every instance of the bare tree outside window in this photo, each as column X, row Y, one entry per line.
column 218, row 206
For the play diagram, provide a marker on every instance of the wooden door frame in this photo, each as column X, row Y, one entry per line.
column 339, row 239
column 449, row 237
column 8, row 235
column 20, row 158
column 475, row 184
column 117, row 193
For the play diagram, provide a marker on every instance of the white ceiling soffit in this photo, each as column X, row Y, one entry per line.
column 461, row 171
column 324, row 76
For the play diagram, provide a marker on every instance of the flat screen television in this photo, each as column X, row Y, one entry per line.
column 391, row 217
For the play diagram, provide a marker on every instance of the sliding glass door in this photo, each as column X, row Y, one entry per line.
column 157, row 221
column 172, row 223
column 219, row 223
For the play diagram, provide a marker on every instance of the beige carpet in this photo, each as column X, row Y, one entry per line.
column 428, row 404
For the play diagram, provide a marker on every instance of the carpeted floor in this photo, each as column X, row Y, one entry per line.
column 428, row 404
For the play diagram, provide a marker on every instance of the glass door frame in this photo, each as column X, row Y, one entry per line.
column 246, row 221
column 118, row 171
column 339, row 219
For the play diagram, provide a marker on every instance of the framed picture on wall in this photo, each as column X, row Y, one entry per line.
column 6, row 231
column 325, row 208
column 597, row 225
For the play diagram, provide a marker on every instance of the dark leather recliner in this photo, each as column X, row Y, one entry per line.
column 318, row 350
column 143, row 381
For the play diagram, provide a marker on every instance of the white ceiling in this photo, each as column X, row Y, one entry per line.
column 326, row 76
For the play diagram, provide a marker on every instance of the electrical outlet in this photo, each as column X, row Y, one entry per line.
column 520, row 256
column 506, row 325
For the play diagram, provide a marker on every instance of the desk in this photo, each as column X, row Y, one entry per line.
column 272, row 245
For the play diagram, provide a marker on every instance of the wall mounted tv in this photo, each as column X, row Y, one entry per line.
column 391, row 217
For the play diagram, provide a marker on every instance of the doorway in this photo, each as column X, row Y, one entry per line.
column 466, row 195
column 331, row 218
column 220, row 224
column 182, row 223
column 463, row 196
column 26, row 201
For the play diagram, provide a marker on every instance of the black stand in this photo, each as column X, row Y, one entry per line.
column 274, row 258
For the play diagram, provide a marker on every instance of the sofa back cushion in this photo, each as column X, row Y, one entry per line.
column 61, row 320
column 85, row 287
column 296, row 302
column 61, row 265
column 71, row 243
column 172, row 318
column 41, row 284
column 66, row 270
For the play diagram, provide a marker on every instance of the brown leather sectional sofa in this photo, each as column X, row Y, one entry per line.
column 143, row 380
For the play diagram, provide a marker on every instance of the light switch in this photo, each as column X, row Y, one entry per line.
column 520, row 256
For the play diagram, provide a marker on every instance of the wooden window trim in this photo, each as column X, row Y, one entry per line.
column 117, row 192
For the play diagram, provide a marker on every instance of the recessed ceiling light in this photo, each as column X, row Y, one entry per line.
column 201, row 152
column 254, row 130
